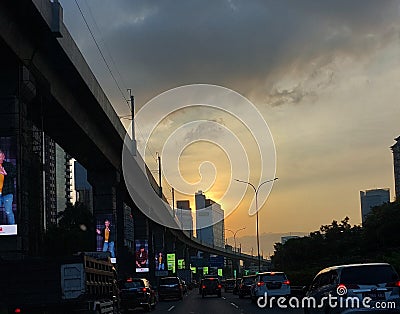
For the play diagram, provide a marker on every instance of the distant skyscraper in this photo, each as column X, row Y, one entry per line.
column 57, row 183
column 396, row 164
column 184, row 215
column 372, row 198
column 83, row 189
column 210, row 214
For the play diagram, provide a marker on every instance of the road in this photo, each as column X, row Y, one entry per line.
column 193, row 303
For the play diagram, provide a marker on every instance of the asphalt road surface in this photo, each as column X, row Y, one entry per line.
column 193, row 303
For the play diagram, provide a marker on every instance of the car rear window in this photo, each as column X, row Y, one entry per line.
column 368, row 275
column 276, row 277
column 248, row 280
column 134, row 284
column 169, row 281
column 211, row 280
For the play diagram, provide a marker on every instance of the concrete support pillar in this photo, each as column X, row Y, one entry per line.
column 108, row 200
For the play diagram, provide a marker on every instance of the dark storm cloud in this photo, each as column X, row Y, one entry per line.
column 243, row 45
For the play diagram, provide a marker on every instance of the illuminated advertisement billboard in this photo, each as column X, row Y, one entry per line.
column 181, row 264
column 142, row 256
column 8, row 185
column 106, row 234
column 160, row 261
column 171, row 262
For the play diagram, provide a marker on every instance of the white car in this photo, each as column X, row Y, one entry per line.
column 273, row 283
column 353, row 284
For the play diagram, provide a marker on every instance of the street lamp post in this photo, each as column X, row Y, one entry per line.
column 234, row 235
column 256, row 190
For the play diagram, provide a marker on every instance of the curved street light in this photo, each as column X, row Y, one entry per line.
column 256, row 190
column 234, row 234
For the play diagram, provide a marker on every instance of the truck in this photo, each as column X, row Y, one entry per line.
column 84, row 283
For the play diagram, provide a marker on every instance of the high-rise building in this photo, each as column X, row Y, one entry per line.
column 210, row 225
column 396, row 165
column 83, row 189
column 372, row 198
column 57, row 180
column 184, row 215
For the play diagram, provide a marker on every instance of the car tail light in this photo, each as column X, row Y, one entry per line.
column 393, row 284
column 219, row 286
column 144, row 289
column 203, row 286
column 342, row 288
column 260, row 283
column 17, row 310
column 286, row 282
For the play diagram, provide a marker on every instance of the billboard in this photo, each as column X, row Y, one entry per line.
column 171, row 262
column 181, row 264
column 160, row 261
column 8, row 185
column 142, row 256
column 106, row 234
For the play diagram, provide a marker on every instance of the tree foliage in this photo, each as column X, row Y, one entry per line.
column 377, row 240
column 74, row 232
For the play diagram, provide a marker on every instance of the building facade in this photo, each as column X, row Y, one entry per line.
column 372, row 198
column 184, row 215
column 396, row 165
column 210, row 225
column 83, row 189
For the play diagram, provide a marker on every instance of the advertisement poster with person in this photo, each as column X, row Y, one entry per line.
column 160, row 261
column 8, row 185
column 106, row 234
column 142, row 256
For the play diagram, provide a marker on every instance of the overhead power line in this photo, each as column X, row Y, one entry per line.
column 101, row 53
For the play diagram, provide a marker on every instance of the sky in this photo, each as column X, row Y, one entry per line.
column 324, row 75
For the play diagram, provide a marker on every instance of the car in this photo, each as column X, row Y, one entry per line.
column 229, row 284
column 245, row 285
column 211, row 286
column 137, row 292
column 170, row 287
column 200, row 285
column 273, row 283
column 236, row 287
column 377, row 281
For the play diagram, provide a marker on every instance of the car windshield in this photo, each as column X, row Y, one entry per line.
column 134, row 284
column 368, row 275
column 275, row 277
column 169, row 281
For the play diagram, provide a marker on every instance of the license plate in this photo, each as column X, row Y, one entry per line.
column 375, row 295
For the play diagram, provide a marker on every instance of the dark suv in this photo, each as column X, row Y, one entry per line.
column 229, row 284
column 137, row 292
column 211, row 286
column 245, row 285
column 170, row 287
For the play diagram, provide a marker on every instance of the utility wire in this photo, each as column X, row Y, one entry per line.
column 105, row 45
column 101, row 53
column 128, row 117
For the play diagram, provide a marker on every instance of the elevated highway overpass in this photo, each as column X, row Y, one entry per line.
column 52, row 88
